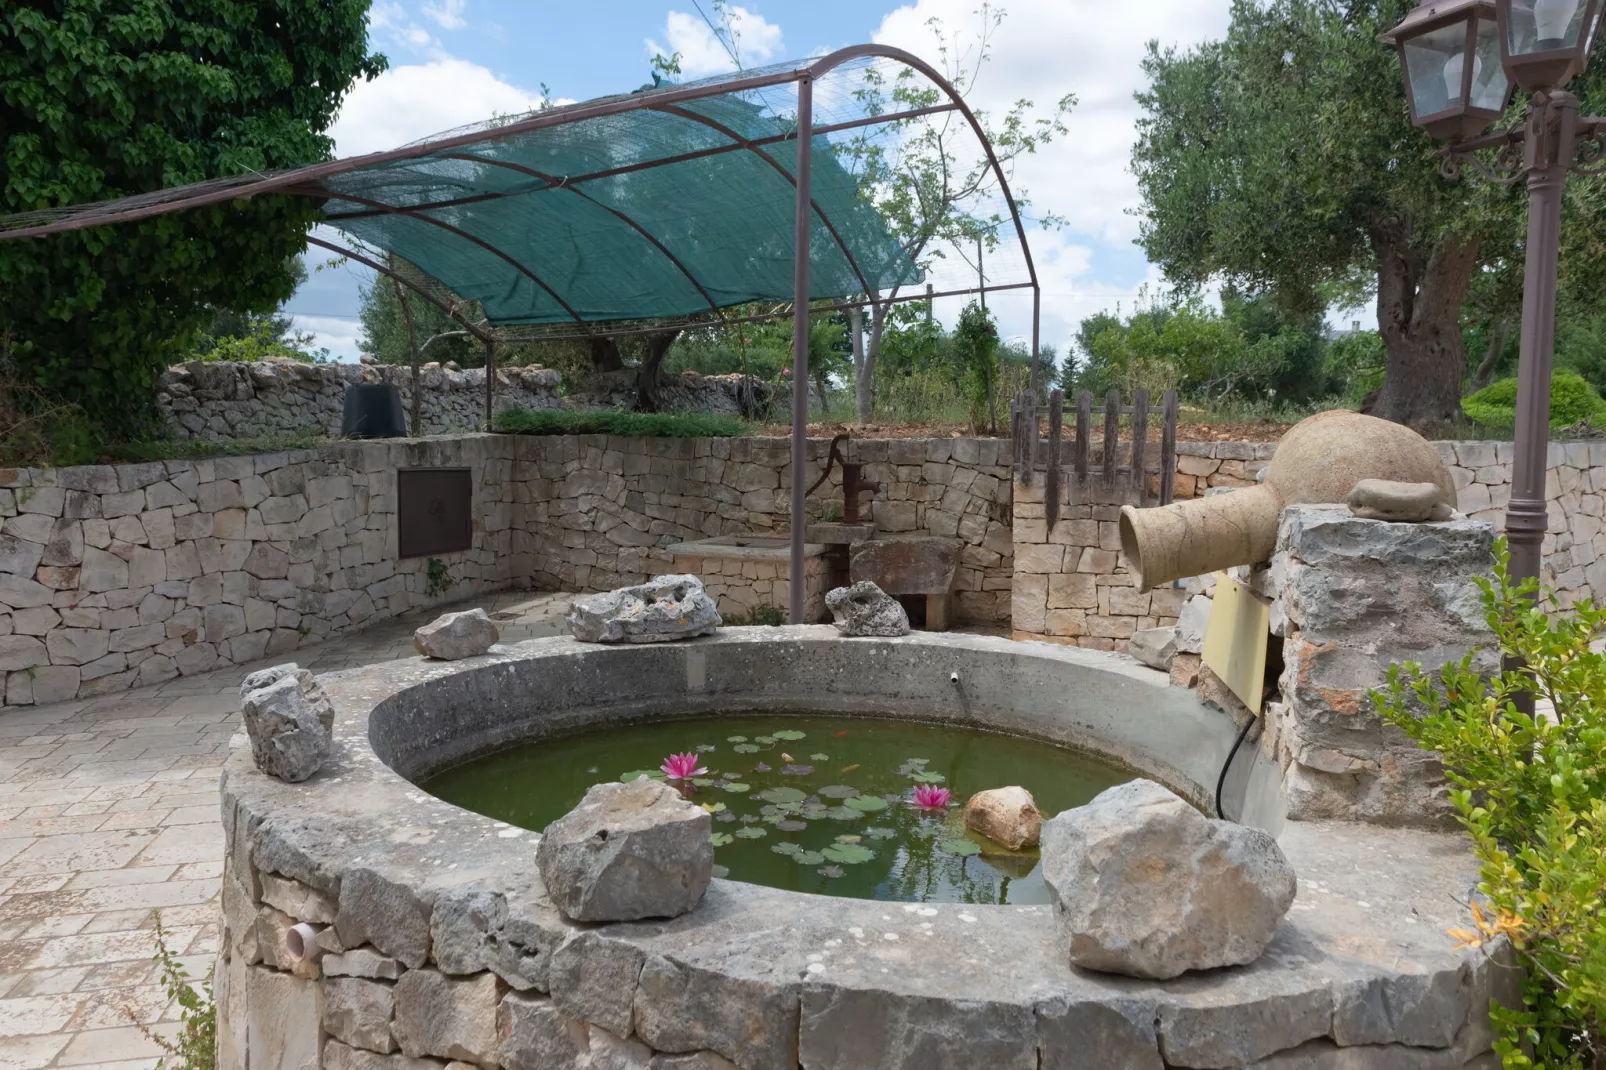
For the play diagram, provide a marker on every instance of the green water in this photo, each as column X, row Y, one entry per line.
column 832, row 792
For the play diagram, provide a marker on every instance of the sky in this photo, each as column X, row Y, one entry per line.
column 454, row 62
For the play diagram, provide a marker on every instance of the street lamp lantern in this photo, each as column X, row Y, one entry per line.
column 1545, row 43
column 1450, row 53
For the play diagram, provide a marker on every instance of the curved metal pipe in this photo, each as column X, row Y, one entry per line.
column 409, row 283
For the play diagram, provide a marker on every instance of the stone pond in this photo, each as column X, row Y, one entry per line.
column 370, row 924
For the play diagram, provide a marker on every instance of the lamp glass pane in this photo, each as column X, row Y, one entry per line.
column 1435, row 63
column 1544, row 25
column 1489, row 79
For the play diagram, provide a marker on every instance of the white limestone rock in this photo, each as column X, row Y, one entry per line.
column 288, row 740
column 308, row 684
column 1155, row 647
column 628, row 851
column 866, row 610
column 454, row 636
column 1008, row 816
column 663, row 609
column 1145, row 885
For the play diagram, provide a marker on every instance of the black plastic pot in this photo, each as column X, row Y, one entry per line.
column 373, row 410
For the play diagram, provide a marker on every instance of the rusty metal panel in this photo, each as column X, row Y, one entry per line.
column 434, row 511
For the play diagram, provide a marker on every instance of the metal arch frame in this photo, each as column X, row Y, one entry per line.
column 804, row 75
column 369, row 262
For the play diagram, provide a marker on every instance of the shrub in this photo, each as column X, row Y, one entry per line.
column 1572, row 400
column 195, row 1046
column 639, row 424
column 1531, row 791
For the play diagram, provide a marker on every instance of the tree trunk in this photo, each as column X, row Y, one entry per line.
column 1419, row 316
column 605, row 356
column 856, row 338
column 1499, row 333
column 648, row 377
column 864, row 384
column 415, row 359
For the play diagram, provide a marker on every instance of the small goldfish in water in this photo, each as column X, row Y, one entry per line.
column 850, row 768
column 842, row 733
column 785, row 757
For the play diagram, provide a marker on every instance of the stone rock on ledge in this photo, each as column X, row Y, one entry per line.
column 1008, row 816
column 628, row 851
column 663, row 609
column 865, row 610
column 1145, row 885
column 288, row 740
column 315, row 695
column 454, row 636
column 1407, row 503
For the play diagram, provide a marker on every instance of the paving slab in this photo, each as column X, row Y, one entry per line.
column 108, row 813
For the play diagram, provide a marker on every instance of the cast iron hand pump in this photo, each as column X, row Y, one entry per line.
column 1460, row 59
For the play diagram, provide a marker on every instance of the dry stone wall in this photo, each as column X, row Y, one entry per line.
column 603, row 509
column 114, row 577
column 217, row 401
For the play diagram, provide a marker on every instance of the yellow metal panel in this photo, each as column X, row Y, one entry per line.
column 1235, row 639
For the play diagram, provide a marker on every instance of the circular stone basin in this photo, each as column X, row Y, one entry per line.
column 810, row 803
column 441, row 938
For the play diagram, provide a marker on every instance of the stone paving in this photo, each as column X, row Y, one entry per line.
column 108, row 813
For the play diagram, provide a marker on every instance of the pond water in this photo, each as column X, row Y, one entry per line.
column 809, row 803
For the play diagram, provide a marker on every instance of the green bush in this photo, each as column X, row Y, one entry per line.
column 1572, row 400
column 1531, row 791
column 637, row 424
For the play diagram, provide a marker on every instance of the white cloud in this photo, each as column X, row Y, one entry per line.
column 702, row 53
column 1043, row 50
column 448, row 14
column 410, row 102
column 338, row 334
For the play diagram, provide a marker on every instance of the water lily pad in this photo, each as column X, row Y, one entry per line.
column 812, row 812
column 809, row 858
column 748, row 819
column 714, row 808
column 849, row 854
column 926, row 832
column 927, row 778
column 637, row 774
column 703, row 781
column 773, row 819
column 838, row 791
column 830, row 871
column 789, row 807
column 881, row 833
column 786, row 847
column 867, row 804
column 735, row 739
column 843, row 813
column 847, row 838
column 962, row 848
column 788, row 734
column 911, row 764
column 783, row 795
column 724, row 815
column 766, row 740
column 745, row 748
column 721, row 838
column 760, row 767
column 706, row 747
column 819, row 757
column 751, row 832
column 796, row 770
column 738, row 786
column 791, row 825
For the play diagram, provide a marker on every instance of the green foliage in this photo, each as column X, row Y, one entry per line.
column 437, row 578
column 1531, row 790
column 195, row 1047
column 1355, row 364
column 640, row 424
column 1581, row 347
column 261, row 340
column 1572, row 400
column 100, row 99
column 973, row 353
column 761, row 616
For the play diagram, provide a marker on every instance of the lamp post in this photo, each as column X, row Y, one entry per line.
column 1460, row 59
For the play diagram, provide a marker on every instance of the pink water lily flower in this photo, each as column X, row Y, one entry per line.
column 930, row 797
column 682, row 766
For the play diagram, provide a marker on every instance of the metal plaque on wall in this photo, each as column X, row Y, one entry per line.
column 434, row 510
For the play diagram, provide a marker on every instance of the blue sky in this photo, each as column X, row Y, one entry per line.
column 459, row 61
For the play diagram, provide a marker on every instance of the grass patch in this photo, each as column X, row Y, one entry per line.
column 635, row 424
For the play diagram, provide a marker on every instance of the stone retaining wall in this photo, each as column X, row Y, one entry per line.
column 217, row 401
column 125, row 576
column 603, row 508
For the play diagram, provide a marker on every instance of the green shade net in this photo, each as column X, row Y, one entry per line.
column 642, row 214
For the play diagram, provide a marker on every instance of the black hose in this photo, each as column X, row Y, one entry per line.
column 1221, row 781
